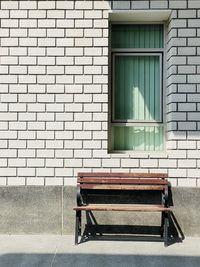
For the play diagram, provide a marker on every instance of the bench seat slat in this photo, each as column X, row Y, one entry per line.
column 106, row 180
column 121, row 187
column 137, row 175
column 123, row 207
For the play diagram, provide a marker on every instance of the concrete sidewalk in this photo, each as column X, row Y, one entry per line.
column 54, row 251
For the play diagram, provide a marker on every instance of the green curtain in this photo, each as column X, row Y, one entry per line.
column 137, row 88
column 145, row 138
column 136, row 93
column 137, row 36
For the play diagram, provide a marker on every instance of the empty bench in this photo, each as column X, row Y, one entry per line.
column 94, row 191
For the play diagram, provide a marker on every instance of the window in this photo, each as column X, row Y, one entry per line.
column 137, row 106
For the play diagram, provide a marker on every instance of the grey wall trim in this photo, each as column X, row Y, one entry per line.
column 49, row 210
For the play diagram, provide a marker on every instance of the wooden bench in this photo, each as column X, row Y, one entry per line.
column 112, row 191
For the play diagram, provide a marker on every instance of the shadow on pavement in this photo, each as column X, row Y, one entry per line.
column 95, row 260
column 94, row 231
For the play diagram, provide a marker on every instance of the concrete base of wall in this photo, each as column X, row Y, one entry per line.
column 48, row 210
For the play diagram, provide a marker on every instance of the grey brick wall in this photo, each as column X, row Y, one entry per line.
column 54, row 92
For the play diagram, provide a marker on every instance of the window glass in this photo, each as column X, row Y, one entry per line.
column 144, row 138
column 137, row 59
column 137, row 92
column 137, row 36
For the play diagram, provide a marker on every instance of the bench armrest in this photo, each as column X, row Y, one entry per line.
column 166, row 196
column 79, row 198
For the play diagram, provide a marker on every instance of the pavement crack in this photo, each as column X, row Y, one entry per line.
column 55, row 252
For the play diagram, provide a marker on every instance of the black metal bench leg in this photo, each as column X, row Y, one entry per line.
column 162, row 223
column 77, row 226
column 80, row 221
column 166, row 225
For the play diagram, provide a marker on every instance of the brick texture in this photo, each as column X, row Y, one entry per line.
column 54, row 92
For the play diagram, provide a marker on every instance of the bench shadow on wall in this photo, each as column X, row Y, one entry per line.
column 93, row 230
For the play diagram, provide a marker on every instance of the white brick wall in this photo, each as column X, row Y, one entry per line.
column 54, row 92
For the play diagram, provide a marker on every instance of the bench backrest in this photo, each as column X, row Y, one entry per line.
column 93, row 185
column 123, row 181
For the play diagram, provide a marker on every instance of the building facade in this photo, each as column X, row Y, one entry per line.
column 58, row 85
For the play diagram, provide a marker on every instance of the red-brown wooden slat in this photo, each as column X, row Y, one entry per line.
column 121, row 187
column 106, row 180
column 123, row 207
column 137, row 175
